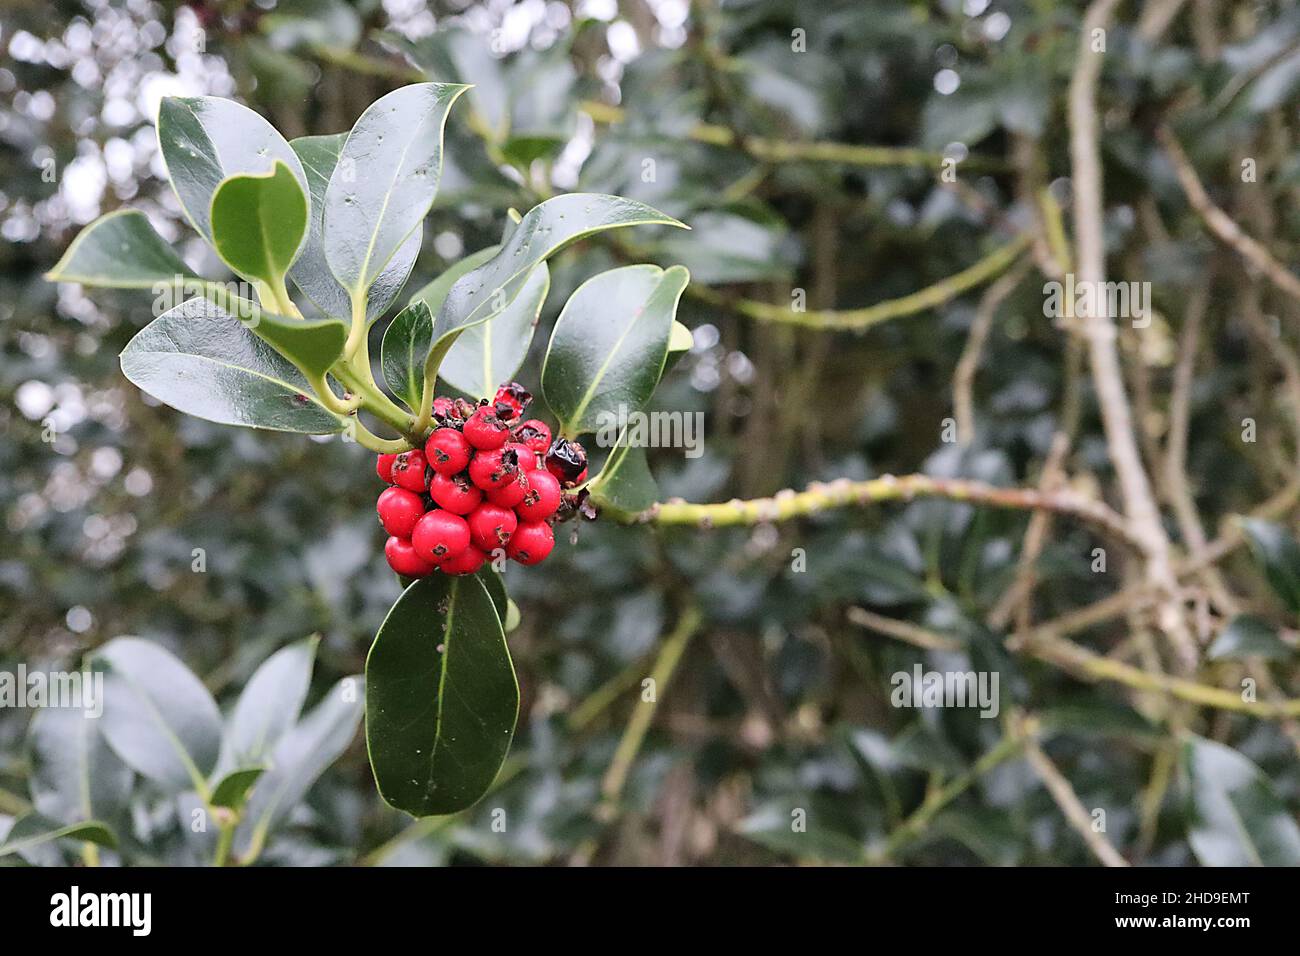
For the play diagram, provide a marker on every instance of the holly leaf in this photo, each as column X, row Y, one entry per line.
column 201, row 360
column 311, row 273
column 34, row 829
column 269, row 704
column 1277, row 552
column 385, row 181
column 1248, row 636
column 1236, row 817
column 406, row 343
column 158, row 717
column 120, row 251
column 232, row 789
column 75, row 775
column 259, row 221
column 547, row 228
column 441, row 697
column 609, row 346
column 205, row 140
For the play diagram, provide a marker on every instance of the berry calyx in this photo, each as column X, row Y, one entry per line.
column 531, row 542
column 440, row 535
column 467, row 562
column 408, row 470
column 454, row 493
column 447, row 451
column 542, row 498
column 511, row 493
column 399, row 510
column 567, row 461
column 485, row 431
column 490, row 526
column 403, row 559
column 384, row 467
column 535, row 434
column 510, row 401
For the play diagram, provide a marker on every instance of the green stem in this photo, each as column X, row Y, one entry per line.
column 224, row 842
column 914, row 825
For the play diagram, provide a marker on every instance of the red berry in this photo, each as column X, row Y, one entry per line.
column 399, row 510
column 440, row 535
column 581, row 478
column 493, row 469
column 535, row 434
column 408, row 470
column 403, row 559
column 454, row 493
column 447, row 451
column 531, row 542
column 542, row 498
column 443, row 408
column 467, row 562
column 567, row 461
column 384, row 467
column 490, row 527
column 485, row 431
column 510, row 401
column 511, row 493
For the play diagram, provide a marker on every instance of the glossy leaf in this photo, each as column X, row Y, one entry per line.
column 609, row 345
column 75, row 775
column 232, row 789
column 158, row 717
column 626, row 482
column 1236, row 817
column 122, row 251
column 298, row 760
column 207, row 139
column 1248, row 636
column 442, row 699
column 385, row 181
column 201, row 360
column 406, row 344
column 490, row 353
column 311, row 273
column 259, row 222
column 34, row 829
column 545, row 230
column 1276, row 551
column 313, row 345
column 269, row 704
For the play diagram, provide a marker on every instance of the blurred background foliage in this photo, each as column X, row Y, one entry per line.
column 780, row 702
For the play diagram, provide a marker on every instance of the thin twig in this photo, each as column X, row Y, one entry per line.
column 963, row 378
column 1221, row 224
column 904, row 631
column 1076, row 815
column 1099, row 331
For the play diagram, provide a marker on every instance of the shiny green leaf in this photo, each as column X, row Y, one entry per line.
column 259, row 221
column 121, row 251
column 158, row 717
column 313, row 345
column 385, row 181
column 201, row 360
column 232, row 789
column 269, row 704
column 406, row 343
column 1276, row 551
column 609, row 346
column 545, row 230
column 1235, row 816
column 442, row 699
column 34, row 829
column 490, row 353
column 311, row 273
column 75, row 775
column 298, row 760
column 207, row 139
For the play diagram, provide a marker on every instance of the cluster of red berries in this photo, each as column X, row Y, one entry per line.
column 485, row 481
